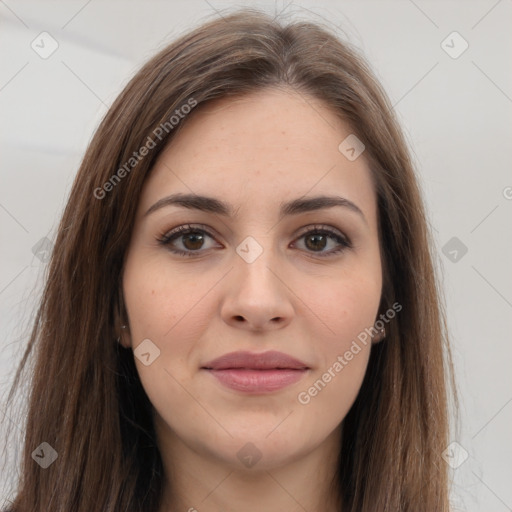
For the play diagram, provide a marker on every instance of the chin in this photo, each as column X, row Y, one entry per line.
column 262, row 449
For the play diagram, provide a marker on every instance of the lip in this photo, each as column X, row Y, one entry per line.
column 271, row 360
column 256, row 373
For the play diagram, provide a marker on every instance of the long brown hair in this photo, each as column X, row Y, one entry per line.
column 86, row 400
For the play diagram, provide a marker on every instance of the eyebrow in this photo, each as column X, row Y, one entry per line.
column 294, row 207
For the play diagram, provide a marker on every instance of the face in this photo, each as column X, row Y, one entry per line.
column 258, row 277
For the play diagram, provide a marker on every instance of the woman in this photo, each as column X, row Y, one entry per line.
column 241, row 310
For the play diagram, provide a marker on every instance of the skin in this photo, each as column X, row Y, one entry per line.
column 253, row 152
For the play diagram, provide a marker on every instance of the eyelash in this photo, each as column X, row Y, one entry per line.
column 166, row 239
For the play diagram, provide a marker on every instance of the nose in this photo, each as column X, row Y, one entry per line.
column 257, row 296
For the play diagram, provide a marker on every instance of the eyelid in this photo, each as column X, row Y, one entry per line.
column 322, row 227
column 211, row 232
column 168, row 234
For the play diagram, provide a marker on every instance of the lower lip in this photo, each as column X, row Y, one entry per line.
column 257, row 381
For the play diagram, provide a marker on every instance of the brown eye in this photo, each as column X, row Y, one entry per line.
column 192, row 240
column 318, row 239
column 316, row 242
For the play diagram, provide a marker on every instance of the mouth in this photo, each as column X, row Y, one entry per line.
column 257, row 381
column 256, row 373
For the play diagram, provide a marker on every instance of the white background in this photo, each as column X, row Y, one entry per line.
column 456, row 113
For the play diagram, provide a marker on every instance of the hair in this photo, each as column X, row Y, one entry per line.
column 85, row 396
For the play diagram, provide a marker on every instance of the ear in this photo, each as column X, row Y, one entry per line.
column 379, row 336
column 378, row 323
column 121, row 324
column 124, row 337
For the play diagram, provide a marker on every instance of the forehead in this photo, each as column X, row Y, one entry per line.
column 259, row 150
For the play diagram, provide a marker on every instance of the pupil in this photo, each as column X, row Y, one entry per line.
column 196, row 240
column 316, row 238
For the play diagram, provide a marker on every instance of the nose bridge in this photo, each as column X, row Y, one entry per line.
column 257, row 261
column 257, row 293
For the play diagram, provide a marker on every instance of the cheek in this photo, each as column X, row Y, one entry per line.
column 346, row 310
column 170, row 309
column 162, row 304
column 330, row 393
column 345, row 306
column 165, row 308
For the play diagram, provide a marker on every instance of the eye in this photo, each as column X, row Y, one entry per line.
column 192, row 239
column 317, row 239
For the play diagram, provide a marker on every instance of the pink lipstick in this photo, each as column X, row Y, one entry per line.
column 256, row 373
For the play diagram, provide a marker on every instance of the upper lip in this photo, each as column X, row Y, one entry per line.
column 253, row 361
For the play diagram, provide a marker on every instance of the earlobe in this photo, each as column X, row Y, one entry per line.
column 122, row 328
column 381, row 334
column 124, row 337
